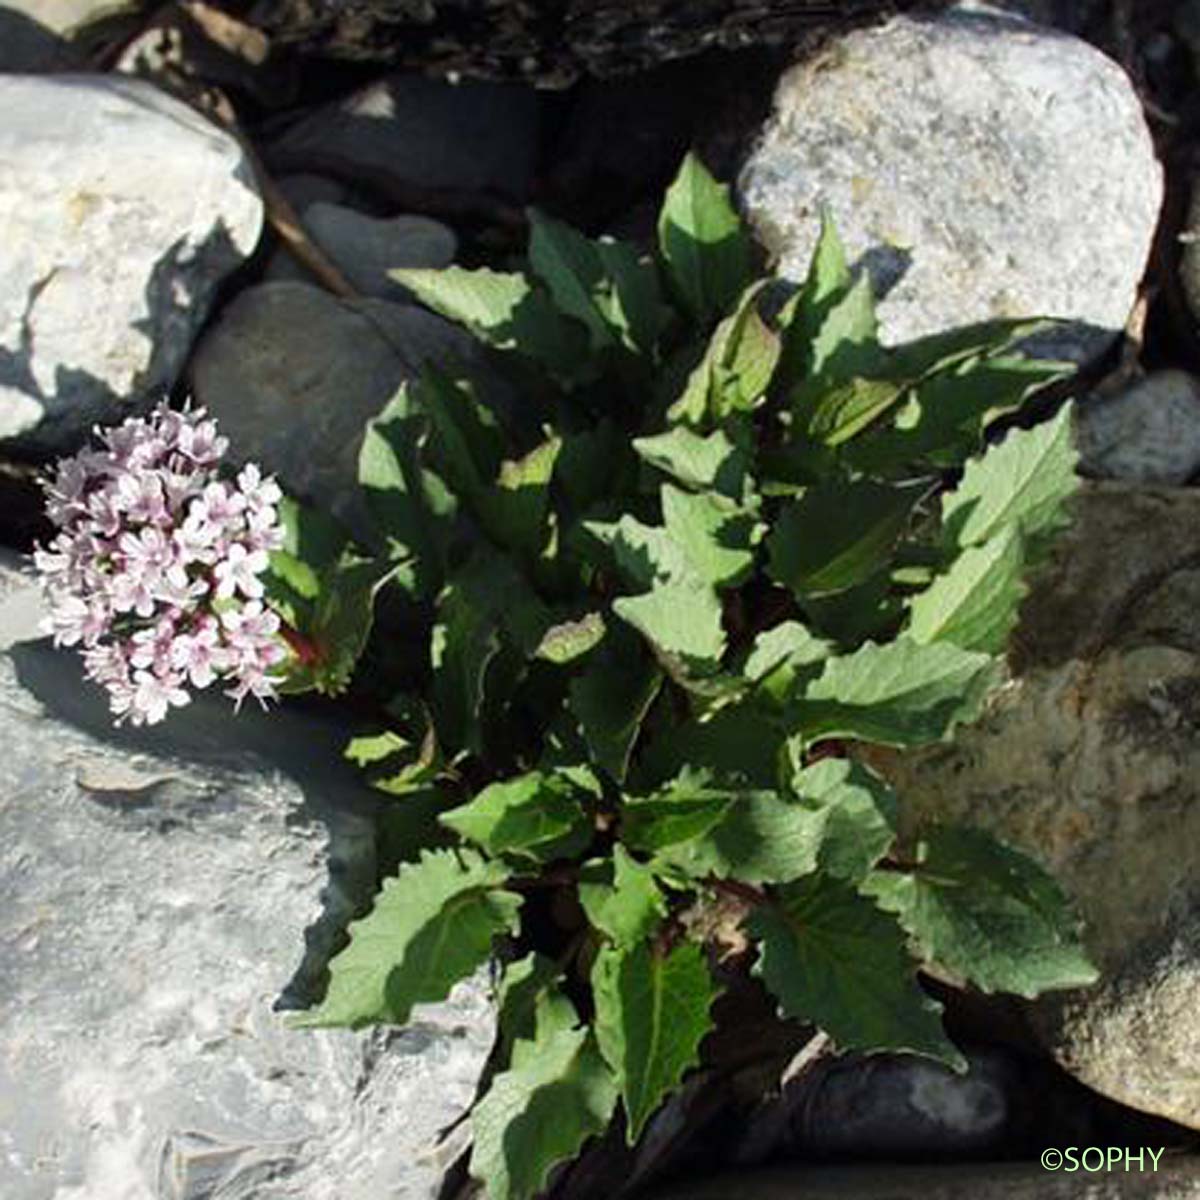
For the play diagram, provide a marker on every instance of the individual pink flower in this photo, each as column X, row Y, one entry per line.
column 155, row 570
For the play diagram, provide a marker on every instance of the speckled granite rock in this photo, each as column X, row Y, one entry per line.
column 119, row 217
column 165, row 893
column 978, row 165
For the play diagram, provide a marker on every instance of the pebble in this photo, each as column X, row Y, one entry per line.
column 366, row 248
column 978, row 166
column 1147, row 433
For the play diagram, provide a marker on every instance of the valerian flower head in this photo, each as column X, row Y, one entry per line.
column 154, row 572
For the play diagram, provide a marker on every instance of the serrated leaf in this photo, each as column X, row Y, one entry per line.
column 569, row 640
column 431, row 926
column 839, row 534
column 860, row 809
column 938, row 351
column 845, row 342
column 538, row 816
column 1023, row 481
column 829, row 956
column 504, row 310
column 688, row 807
column 974, row 603
column 759, row 837
column 539, row 1113
column 652, row 1012
column 621, row 898
column 988, row 913
column 714, row 536
column 897, row 694
column 611, row 697
column 711, row 461
column 702, row 242
column 681, row 620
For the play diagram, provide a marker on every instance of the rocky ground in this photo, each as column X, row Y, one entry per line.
column 190, row 203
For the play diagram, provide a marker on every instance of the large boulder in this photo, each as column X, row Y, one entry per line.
column 1090, row 762
column 977, row 165
column 121, row 210
column 168, row 894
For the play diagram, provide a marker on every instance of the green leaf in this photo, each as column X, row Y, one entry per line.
column 845, row 342
column 503, row 310
column 848, row 408
column 736, row 367
column 410, row 504
column 839, row 534
column 528, row 985
column 943, row 417
column 1023, row 482
column 828, row 278
column 897, row 694
column 715, row 537
column 558, row 1093
column 783, row 656
column 681, row 620
column 652, row 1012
column 974, row 603
column 515, row 512
column 759, row 837
column 688, row 807
column 431, row 926
column 830, row 956
column 611, row 697
column 702, row 243
column 711, row 462
column 537, row 815
column 570, row 266
column 621, row 898
column 988, row 913
column 860, row 809
column 939, row 351
column 465, row 433
column 636, row 306
column 466, row 639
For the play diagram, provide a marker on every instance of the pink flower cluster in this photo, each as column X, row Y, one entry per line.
column 155, row 570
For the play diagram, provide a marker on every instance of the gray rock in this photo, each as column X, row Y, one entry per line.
column 899, row 1106
column 293, row 374
column 120, row 215
column 1148, row 433
column 407, row 134
column 1075, row 16
column 1189, row 260
column 1090, row 762
column 28, row 45
column 1175, row 1179
column 366, row 248
column 166, row 893
column 976, row 165
column 304, row 188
